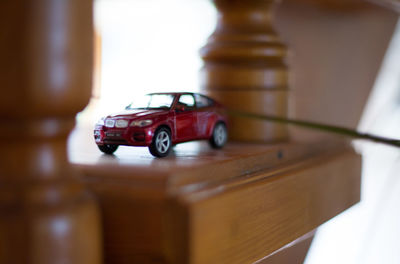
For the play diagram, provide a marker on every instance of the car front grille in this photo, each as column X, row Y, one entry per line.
column 115, row 141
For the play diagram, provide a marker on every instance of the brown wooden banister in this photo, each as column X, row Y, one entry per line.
column 245, row 68
column 46, row 215
column 246, row 203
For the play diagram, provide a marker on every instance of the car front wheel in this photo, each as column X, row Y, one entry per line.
column 219, row 136
column 161, row 144
column 108, row 149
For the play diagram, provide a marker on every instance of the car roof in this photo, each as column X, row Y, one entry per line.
column 180, row 93
column 174, row 93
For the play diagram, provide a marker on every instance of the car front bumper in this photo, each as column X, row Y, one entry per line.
column 129, row 136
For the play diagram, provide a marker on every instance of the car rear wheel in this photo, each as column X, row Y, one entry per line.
column 108, row 149
column 219, row 135
column 161, row 144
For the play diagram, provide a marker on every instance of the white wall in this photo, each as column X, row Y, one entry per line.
column 148, row 46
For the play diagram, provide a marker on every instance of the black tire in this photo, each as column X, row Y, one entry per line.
column 219, row 136
column 108, row 149
column 162, row 143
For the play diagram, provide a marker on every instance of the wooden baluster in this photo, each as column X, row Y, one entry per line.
column 245, row 68
column 45, row 62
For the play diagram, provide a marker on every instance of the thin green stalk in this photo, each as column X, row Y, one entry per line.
column 333, row 129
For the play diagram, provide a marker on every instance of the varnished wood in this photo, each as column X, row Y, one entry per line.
column 245, row 68
column 332, row 73
column 237, row 205
column 274, row 102
column 349, row 6
column 203, row 206
column 46, row 216
column 339, row 6
column 391, row 4
column 292, row 253
column 242, row 221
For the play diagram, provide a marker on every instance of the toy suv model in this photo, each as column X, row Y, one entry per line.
column 161, row 120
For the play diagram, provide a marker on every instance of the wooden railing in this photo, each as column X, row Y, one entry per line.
column 46, row 215
column 245, row 68
column 239, row 205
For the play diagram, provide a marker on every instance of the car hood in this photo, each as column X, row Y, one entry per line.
column 137, row 113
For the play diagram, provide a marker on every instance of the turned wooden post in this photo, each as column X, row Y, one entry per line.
column 46, row 216
column 244, row 68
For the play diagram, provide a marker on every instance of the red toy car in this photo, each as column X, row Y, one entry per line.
column 160, row 120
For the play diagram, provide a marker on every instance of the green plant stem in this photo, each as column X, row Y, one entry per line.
column 328, row 128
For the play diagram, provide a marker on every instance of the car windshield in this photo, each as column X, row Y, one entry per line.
column 152, row 101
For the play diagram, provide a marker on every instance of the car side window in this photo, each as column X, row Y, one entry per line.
column 187, row 101
column 202, row 101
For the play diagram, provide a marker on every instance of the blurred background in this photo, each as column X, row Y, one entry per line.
column 137, row 54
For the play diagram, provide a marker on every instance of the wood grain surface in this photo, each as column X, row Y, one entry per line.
column 46, row 216
column 237, row 205
column 294, row 252
column 245, row 67
column 331, row 72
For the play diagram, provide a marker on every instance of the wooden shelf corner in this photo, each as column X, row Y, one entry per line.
column 237, row 205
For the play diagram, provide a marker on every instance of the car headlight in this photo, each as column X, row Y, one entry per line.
column 100, row 122
column 141, row 123
column 121, row 123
